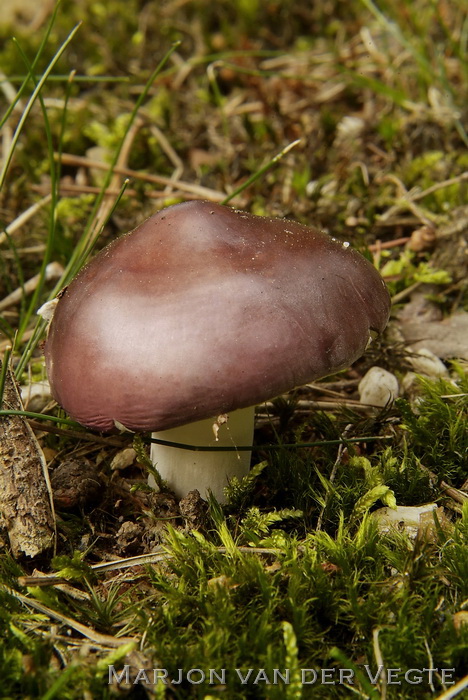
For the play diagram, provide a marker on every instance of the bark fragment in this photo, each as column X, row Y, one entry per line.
column 26, row 511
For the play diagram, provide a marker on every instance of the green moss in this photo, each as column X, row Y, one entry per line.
column 425, row 168
column 437, row 427
column 408, row 272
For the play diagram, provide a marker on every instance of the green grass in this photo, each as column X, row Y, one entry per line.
column 292, row 573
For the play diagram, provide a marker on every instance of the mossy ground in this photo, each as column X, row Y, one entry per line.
column 293, row 573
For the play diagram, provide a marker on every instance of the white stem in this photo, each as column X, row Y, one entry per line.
column 186, row 470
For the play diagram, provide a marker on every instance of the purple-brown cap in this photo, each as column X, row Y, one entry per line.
column 203, row 309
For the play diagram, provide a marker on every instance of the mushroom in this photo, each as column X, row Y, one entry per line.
column 202, row 312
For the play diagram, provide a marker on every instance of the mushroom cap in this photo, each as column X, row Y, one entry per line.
column 203, row 309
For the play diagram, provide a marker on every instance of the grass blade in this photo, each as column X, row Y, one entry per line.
column 31, row 102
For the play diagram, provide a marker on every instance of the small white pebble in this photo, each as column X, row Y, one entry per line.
column 408, row 518
column 349, row 128
column 35, row 389
column 378, row 387
column 123, row 459
column 312, row 187
column 423, row 361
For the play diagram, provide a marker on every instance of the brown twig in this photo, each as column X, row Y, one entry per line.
column 107, row 204
column 140, row 559
column 72, row 189
column 374, row 247
column 54, row 271
column 342, row 450
column 440, row 186
column 455, row 494
column 198, row 190
column 24, row 217
column 97, row 637
column 111, row 441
